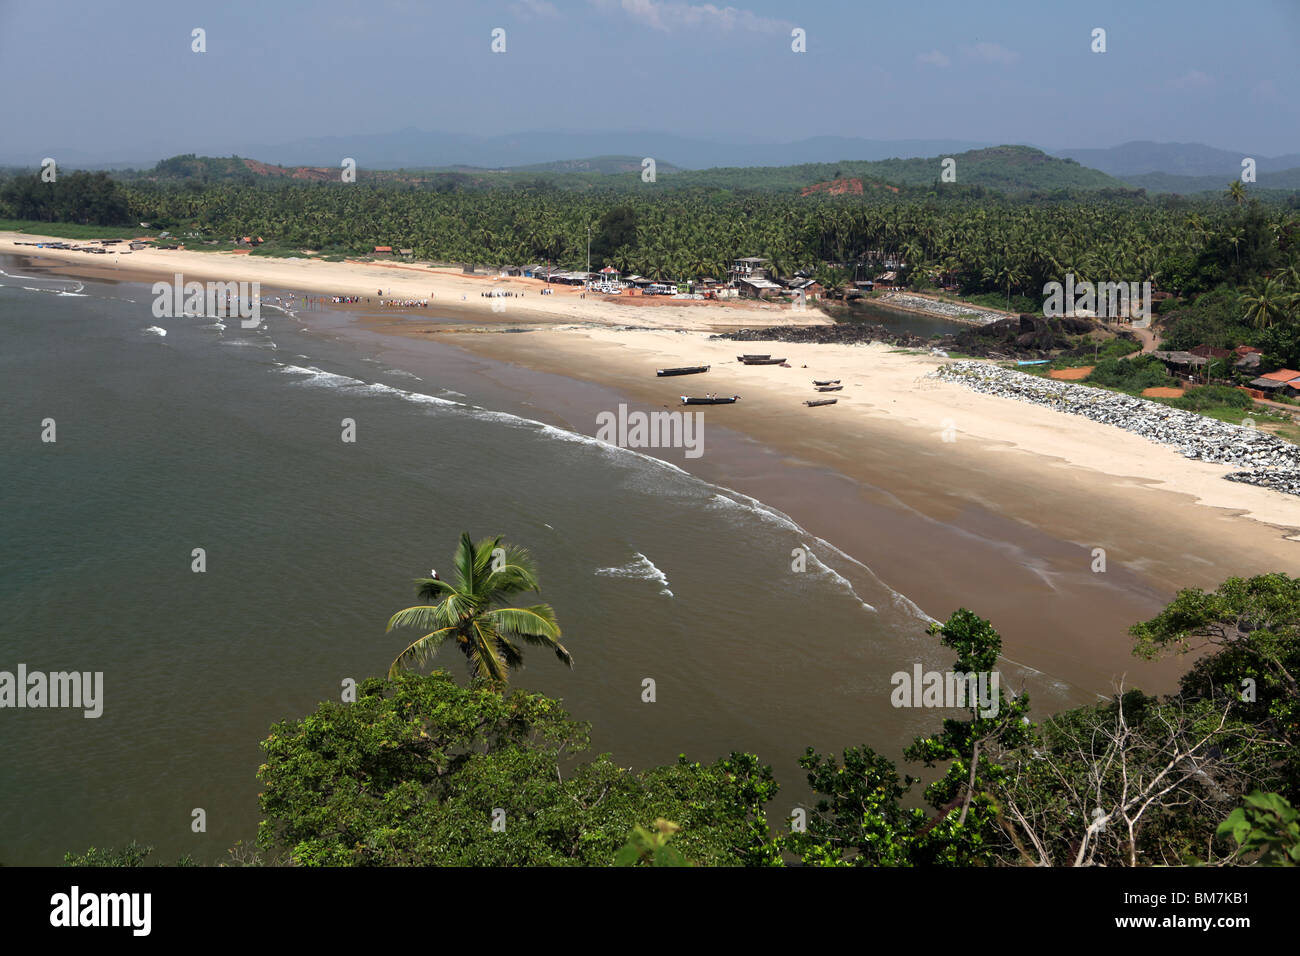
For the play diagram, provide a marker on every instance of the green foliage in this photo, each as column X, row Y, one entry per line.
column 467, row 613
column 1253, row 627
column 67, row 230
column 651, row 848
column 1215, row 319
column 1280, row 344
column 1266, row 828
column 82, row 198
column 861, row 821
column 1208, row 397
column 131, row 855
column 616, row 230
column 415, row 772
column 1131, row 375
column 1135, row 780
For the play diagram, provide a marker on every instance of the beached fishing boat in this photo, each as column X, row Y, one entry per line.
column 688, row 370
column 715, row 400
column 826, row 381
column 829, row 388
column 749, row 360
column 813, row 403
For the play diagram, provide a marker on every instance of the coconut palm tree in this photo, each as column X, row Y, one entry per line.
column 469, row 612
column 1265, row 302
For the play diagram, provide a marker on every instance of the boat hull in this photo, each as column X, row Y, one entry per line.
column 686, row 400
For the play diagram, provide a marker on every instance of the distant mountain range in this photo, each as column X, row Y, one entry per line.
column 1157, row 167
column 412, row 148
column 1013, row 169
column 1140, row 158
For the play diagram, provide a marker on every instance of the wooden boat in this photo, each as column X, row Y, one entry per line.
column 747, row 360
column 813, row 403
column 688, row 370
column 716, row 400
column 829, row 388
column 826, row 381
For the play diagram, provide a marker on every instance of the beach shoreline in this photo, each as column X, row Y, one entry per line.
column 955, row 498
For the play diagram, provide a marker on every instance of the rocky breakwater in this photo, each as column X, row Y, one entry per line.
column 959, row 312
column 844, row 333
column 1027, row 336
column 1265, row 460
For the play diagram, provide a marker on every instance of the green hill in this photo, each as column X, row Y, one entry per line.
column 1007, row 169
column 1287, row 179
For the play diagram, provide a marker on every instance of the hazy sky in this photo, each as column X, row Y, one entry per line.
column 118, row 79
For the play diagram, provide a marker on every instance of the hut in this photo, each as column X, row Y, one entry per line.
column 1284, row 381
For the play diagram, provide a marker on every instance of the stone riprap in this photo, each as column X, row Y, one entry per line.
column 1265, row 460
column 950, row 310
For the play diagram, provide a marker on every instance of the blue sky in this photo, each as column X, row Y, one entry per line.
column 118, row 79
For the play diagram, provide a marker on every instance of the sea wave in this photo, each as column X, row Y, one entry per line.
column 721, row 496
column 155, row 330
column 639, row 568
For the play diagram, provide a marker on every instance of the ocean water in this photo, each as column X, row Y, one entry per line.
column 185, row 433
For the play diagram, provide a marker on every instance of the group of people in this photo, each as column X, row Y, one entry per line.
column 405, row 303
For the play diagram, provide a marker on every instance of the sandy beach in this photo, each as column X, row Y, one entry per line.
column 957, row 498
column 448, row 290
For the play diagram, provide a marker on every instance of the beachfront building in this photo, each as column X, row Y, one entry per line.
column 383, row 250
column 751, row 267
column 1181, row 363
column 1248, row 358
column 756, row 288
column 1284, row 381
column 609, row 280
column 810, row 287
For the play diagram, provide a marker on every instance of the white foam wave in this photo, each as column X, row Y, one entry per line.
column 724, row 497
column 155, row 330
column 838, row 578
column 639, row 568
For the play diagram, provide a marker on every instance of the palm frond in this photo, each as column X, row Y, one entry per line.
column 421, row 615
column 420, row 650
column 432, row 590
column 538, row 620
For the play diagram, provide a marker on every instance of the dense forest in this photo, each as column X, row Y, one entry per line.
column 1243, row 253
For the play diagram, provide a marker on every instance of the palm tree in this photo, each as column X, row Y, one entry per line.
column 1237, row 192
column 467, row 612
column 1265, row 301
